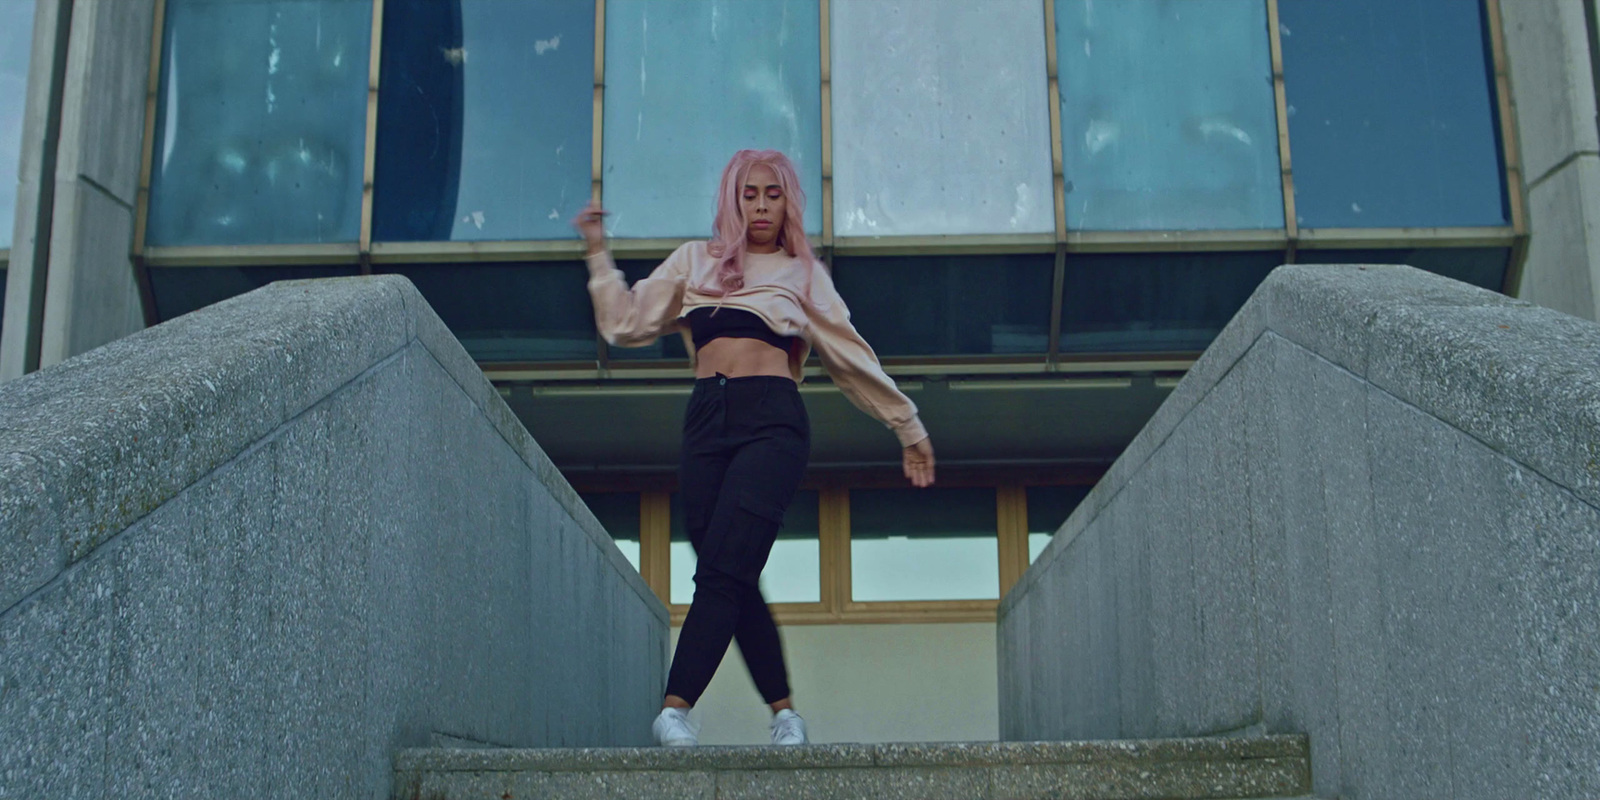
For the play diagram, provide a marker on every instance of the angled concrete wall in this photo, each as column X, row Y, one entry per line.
column 256, row 550
column 1371, row 513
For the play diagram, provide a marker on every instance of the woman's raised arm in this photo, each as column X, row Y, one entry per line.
column 630, row 317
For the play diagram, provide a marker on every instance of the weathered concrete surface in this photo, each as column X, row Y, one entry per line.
column 1181, row 768
column 255, row 550
column 1370, row 513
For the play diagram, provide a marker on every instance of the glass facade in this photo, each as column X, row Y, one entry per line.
column 1156, row 302
column 618, row 513
column 16, row 49
column 1167, row 115
column 941, row 122
column 534, row 311
column 949, row 305
column 794, row 570
column 924, row 544
column 179, row 290
column 687, row 85
column 1048, row 508
column 261, row 122
column 485, row 126
column 1391, row 117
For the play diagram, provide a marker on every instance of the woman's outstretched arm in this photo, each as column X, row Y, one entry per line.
column 630, row 317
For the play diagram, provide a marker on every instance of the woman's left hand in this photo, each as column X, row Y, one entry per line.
column 919, row 463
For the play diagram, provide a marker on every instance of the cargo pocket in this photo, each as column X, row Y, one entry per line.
column 759, row 520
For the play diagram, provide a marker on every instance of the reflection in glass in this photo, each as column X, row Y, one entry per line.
column 618, row 513
column 687, row 85
column 16, row 48
column 261, row 122
column 1048, row 508
column 949, row 305
column 1391, row 114
column 1484, row 267
column 485, row 119
column 924, row 544
column 669, row 346
column 536, row 311
column 941, row 118
column 1157, row 302
column 179, row 290
column 1167, row 116
column 794, row 570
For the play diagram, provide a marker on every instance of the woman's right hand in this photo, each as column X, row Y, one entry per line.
column 591, row 226
column 918, row 462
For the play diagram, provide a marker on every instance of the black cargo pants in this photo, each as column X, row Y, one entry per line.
column 745, row 446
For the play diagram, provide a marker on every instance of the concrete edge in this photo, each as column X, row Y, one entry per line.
column 834, row 756
column 452, row 357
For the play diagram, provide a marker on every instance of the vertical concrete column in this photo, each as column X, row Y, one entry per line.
column 1553, row 87
column 30, row 241
column 91, row 296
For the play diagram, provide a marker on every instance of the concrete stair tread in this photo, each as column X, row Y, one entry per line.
column 1253, row 767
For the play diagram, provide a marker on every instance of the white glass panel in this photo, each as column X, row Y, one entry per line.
column 1036, row 545
column 924, row 544
column 261, row 122
column 1167, row 116
column 940, row 117
column 16, row 47
column 690, row 83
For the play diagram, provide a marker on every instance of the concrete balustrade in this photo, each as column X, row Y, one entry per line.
column 257, row 550
column 1371, row 514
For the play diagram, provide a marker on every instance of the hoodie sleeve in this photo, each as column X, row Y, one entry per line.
column 853, row 366
column 635, row 317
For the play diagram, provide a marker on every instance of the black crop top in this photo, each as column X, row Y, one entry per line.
column 733, row 323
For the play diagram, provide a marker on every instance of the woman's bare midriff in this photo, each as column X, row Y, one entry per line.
column 740, row 358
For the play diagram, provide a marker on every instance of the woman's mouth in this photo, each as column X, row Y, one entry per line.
column 761, row 223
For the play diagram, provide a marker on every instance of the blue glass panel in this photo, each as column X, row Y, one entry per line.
column 618, row 513
column 924, row 544
column 690, row 83
column 16, row 48
column 485, row 119
column 1048, row 507
column 666, row 348
column 179, row 290
column 949, row 305
column 1484, row 267
column 261, row 122
column 1167, row 115
column 1391, row 114
column 1158, row 302
column 537, row 311
column 794, row 569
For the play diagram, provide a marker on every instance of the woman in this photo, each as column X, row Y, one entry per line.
column 754, row 301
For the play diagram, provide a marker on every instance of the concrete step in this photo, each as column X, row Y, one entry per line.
column 1178, row 769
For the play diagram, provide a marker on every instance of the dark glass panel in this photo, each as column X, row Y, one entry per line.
column 1391, row 114
column 179, row 290
column 536, row 311
column 949, row 305
column 618, row 513
column 924, row 544
column 485, row 119
column 1048, row 507
column 1156, row 302
column 793, row 572
column 1480, row 266
column 261, row 122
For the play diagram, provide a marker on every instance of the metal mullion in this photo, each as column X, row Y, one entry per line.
column 945, row 244
column 1397, row 238
column 1516, row 192
column 597, row 148
column 203, row 256
column 1174, row 241
column 837, row 589
column 1053, row 98
column 475, row 251
column 141, row 213
column 1058, row 288
column 370, row 158
column 826, row 46
column 655, row 543
column 1011, row 513
column 1280, row 101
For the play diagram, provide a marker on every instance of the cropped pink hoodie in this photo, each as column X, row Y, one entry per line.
column 774, row 290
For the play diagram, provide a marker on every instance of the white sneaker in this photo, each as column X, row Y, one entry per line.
column 674, row 729
column 788, row 728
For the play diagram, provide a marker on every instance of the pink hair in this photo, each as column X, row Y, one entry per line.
column 728, row 228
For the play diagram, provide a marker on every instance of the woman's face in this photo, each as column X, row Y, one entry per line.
column 762, row 201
